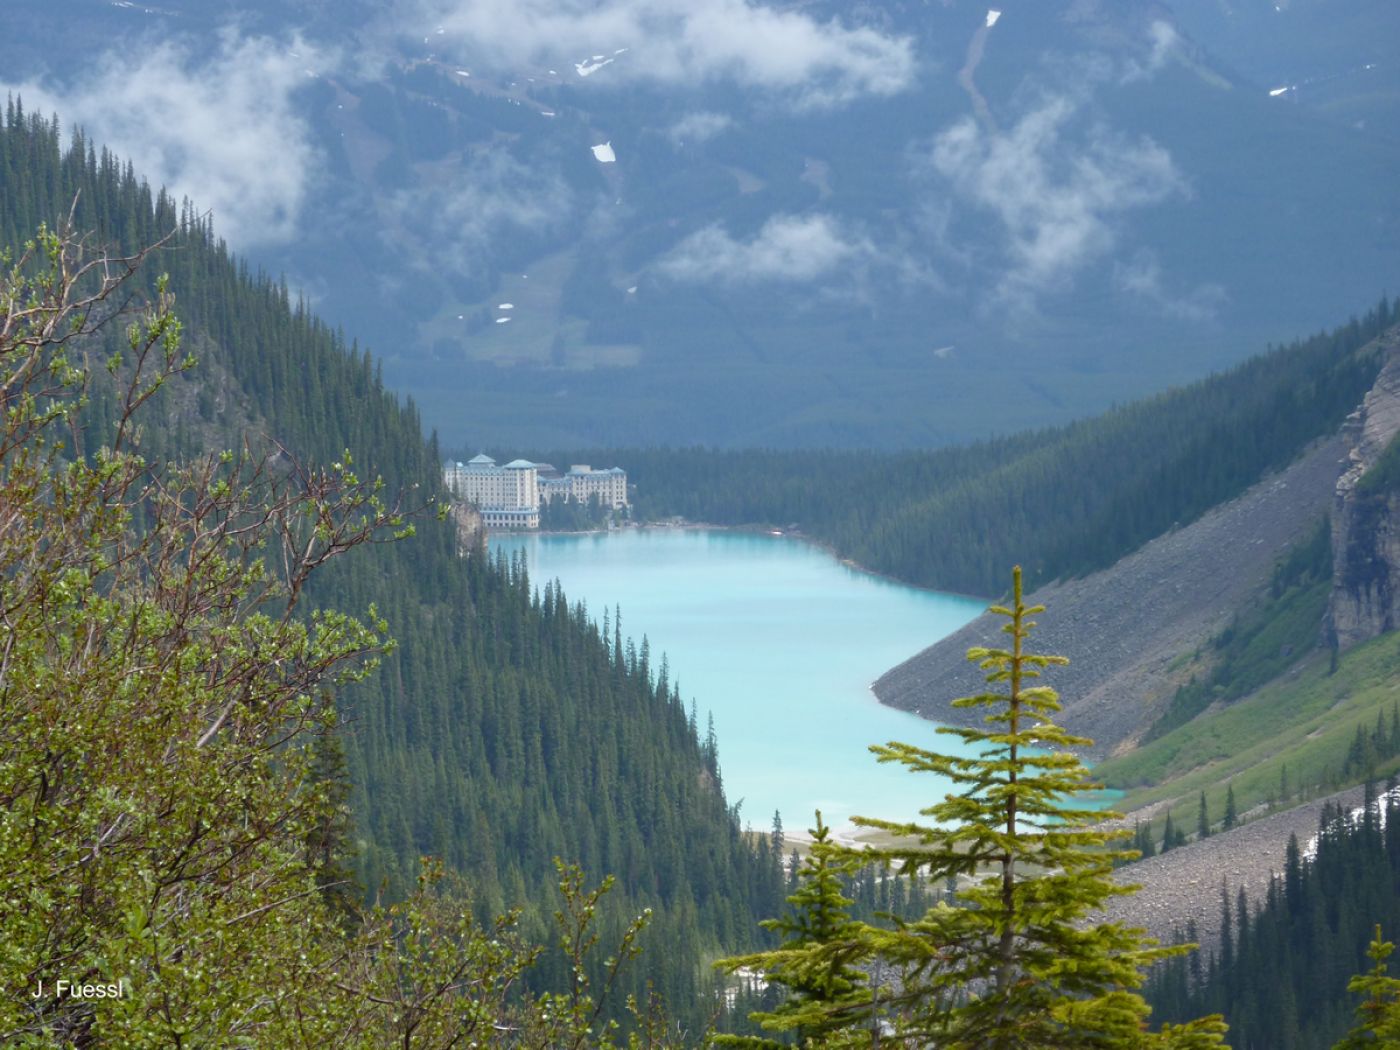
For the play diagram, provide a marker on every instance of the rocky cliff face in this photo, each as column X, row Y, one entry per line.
column 1365, row 597
column 470, row 526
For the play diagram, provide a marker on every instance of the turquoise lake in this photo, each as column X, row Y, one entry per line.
column 780, row 641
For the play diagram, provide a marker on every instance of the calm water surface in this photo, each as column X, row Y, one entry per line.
column 781, row 642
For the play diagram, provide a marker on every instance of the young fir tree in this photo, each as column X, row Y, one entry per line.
column 828, row 994
column 1020, row 965
column 1378, row 1016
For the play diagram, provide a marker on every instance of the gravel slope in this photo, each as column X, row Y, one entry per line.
column 1122, row 627
column 1185, row 883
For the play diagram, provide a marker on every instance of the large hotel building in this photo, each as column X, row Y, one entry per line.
column 509, row 496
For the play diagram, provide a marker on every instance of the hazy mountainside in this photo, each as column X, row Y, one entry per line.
column 1123, row 628
column 636, row 222
column 1130, row 630
column 503, row 730
column 1060, row 502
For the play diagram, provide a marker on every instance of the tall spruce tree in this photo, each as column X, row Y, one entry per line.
column 829, row 998
column 1378, row 1016
column 1018, row 965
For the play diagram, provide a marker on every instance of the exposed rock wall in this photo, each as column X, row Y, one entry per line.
column 470, row 526
column 1365, row 599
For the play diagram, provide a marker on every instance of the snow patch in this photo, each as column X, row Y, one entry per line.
column 505, row 306
column 463, row 73
column 604, row 153
column 503, row 320
column 992, row 16
column 632, row 290
column 1276, row 92
column 587, row 68
column 1383, row 801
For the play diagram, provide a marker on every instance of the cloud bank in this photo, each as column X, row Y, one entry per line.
column 698, row 127
column 1162, row 39
column 1141, row 277
column 793, row 248
column 809, row 63
column 220, row 129
column 1058, row 196
column 493, row 196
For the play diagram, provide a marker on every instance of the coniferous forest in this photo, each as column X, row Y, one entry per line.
column 1067, row 501
column 1281, row 970
column 507, row 727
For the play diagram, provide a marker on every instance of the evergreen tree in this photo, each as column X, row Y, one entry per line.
column 1202, row 819
column 1378, row 1017
column 1169, row 834
column 1018, row 966
column 827, row 992
column 1231, row 818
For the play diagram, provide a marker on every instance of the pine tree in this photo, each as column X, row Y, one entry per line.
column 1169, row 834
column 1231, row 817
column 1202, row 819
column 827, row 993
column 1019, row 966
column 1379, row 1015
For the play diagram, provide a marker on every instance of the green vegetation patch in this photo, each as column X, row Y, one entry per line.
column 1263, row 642
column 1296, row 731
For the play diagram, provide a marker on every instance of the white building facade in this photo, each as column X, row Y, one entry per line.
column 582, row 483
column 509, row 496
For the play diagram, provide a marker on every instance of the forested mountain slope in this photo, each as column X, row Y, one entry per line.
column 503, row 730
column 1280, row 938
column 1059, row 502
column 1123, row 628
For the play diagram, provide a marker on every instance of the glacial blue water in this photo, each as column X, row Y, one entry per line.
column 780, row 641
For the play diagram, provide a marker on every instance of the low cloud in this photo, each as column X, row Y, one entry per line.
column 808, row 63
column 1058, row 194
column 1141, row 276
column 792, row 248
column 698, row 127
column 1162, row 40
column 493, row 196
column 220, row 129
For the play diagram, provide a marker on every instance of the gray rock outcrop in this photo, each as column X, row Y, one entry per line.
column 1365, row 599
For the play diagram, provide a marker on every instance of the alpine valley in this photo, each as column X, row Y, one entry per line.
column 1096, row 290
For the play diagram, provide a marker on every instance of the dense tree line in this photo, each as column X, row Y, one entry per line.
column 1067, row 500
column 1281, row 970
column 504, row 729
